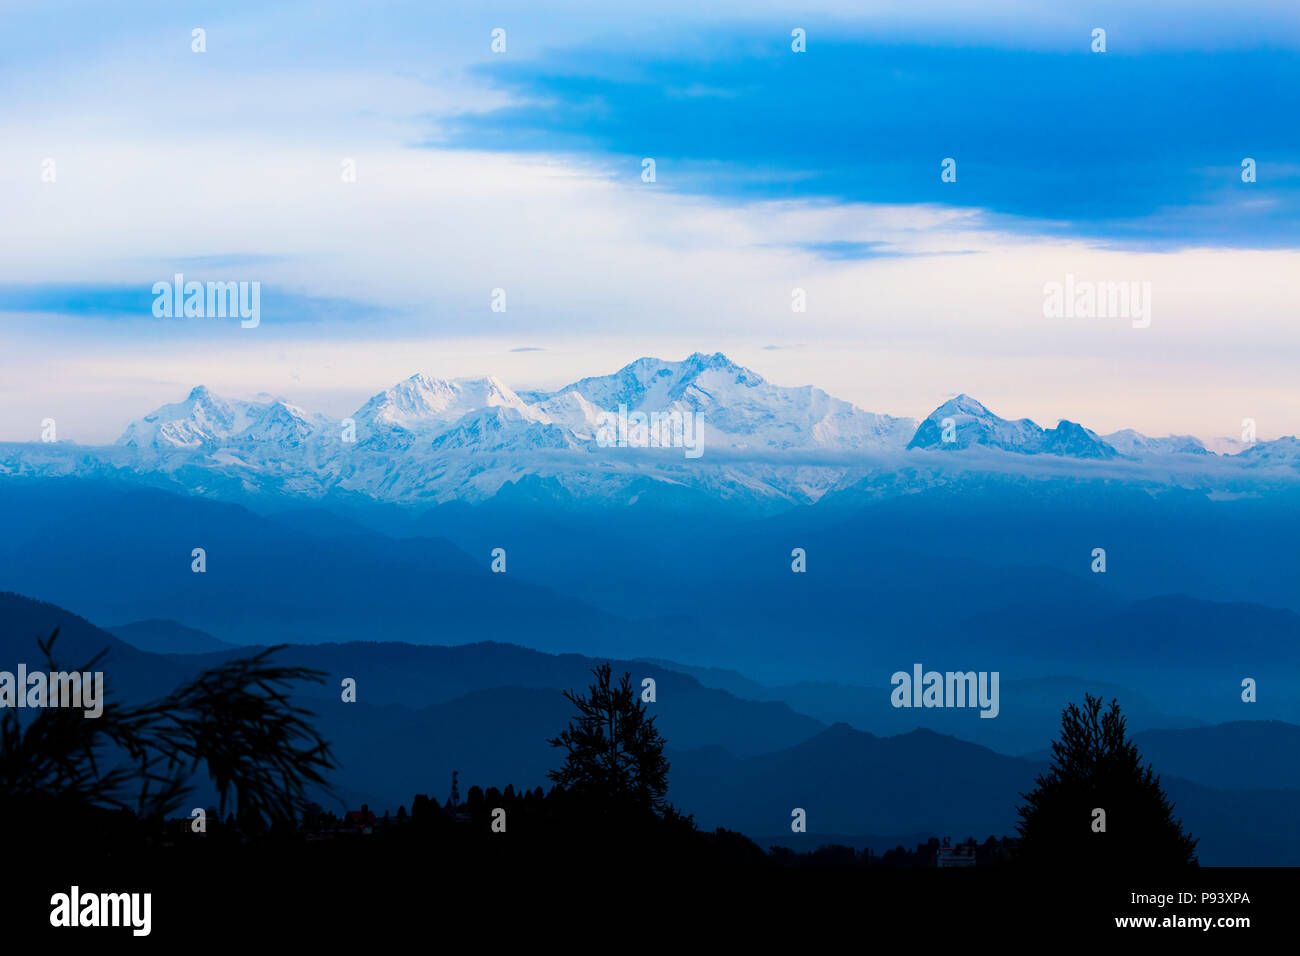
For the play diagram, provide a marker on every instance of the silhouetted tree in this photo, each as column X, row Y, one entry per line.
column 614, row 753
column 235, row 719
column 1096, row 767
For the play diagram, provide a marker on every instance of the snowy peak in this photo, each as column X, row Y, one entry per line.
column 570, row 409
column 282, row 423
column 963, row 422
column 1280, row 451
column 1074, row 441
column 738, row 407
column 423, row 403
column 963, row 404
column 499, row 429
column 1134, row 444
column 206, row 421
column 202, row 419
column 651, row 384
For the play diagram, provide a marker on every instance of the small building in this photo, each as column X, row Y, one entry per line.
column 963, row 854
column 359, row 821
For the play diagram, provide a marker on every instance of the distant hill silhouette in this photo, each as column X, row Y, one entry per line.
column 1245, row 754
column 130, row 672
column 1027, row 707
column 167, row 637
column 691, row 714
column 267, row 582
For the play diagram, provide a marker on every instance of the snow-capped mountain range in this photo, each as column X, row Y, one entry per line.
column 434, row 440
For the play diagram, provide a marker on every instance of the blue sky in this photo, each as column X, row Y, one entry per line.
column 775, row 170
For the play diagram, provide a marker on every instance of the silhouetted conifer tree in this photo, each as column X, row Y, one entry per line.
column 614, row 757
column 1095, row 767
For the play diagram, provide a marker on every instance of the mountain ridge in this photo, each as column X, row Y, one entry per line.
column 433, row 440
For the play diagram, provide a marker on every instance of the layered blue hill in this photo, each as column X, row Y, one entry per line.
column 487, row 710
